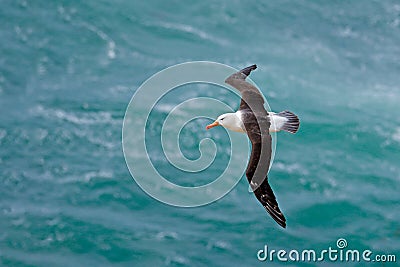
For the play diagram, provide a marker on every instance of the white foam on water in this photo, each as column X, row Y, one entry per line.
column 290, row 168
column 166, row 235
column 110, row 42
column 396, row 135
column 102, row 117
column 3, row 133
column 185, row 28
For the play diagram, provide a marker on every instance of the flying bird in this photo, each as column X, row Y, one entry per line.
column 253, row 119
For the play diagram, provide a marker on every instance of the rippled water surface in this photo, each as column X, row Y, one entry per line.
column 68, row 70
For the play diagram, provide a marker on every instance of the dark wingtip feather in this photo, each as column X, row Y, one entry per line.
column 276, row 215
column 246, row 71
column 267, row 198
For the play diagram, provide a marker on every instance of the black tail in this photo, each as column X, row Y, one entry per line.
column 293, row 123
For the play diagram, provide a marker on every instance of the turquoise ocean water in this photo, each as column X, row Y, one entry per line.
column 68, row 70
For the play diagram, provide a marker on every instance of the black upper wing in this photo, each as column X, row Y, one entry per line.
column 256, row 122
column 249, row 92
column 257, row 173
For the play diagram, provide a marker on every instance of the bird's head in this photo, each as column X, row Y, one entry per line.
column 224, row 120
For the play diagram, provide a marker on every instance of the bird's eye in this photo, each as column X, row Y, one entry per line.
column 222, row 119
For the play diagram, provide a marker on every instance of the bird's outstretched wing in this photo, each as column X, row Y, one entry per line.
column 256, row 122
column 249, row 92
column 257, row 170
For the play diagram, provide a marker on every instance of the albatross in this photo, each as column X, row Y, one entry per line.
column 253, row 119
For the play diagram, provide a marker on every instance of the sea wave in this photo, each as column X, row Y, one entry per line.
column 79, row 118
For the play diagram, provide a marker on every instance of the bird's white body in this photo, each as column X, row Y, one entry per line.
column 234, row 122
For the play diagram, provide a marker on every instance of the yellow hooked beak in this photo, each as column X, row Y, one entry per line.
column 215, row 123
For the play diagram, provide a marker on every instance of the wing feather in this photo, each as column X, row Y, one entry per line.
column 256, row 121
